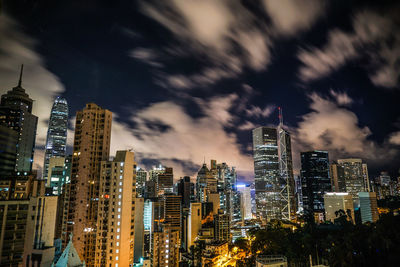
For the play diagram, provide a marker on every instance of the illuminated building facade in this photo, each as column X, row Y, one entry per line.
column 116, row 212
column 334, row 202
column 368, row 207
column 56, row 142
column 91, row 147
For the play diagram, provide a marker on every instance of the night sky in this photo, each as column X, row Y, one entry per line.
column 189, row 79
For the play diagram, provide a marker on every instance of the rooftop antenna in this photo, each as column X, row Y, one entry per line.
column 280, row 116
column 20, row 75
column 204, row 162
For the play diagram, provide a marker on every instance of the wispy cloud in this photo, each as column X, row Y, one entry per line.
column 371, row 35
column 290, row 17
column 184, row 138
column 225, row 36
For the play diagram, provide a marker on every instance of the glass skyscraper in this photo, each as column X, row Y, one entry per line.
column 56, row 142
column 315, row 180
column 266, row 172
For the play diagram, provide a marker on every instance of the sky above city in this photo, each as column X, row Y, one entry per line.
column 187, row 80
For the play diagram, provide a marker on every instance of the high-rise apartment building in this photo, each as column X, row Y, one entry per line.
column 116, row 211
column 16, row 114
column 351, row 175
column 165, row 251
column 56, row 142
column 273, row 173
column 172, row 211
column 368, row 207
column 315, row 181
column 91, row 147
column 222, row 230
column 205, row 183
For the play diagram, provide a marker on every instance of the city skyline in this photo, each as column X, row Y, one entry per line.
column 337, row 107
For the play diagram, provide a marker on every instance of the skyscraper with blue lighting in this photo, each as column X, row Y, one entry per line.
column 56, row 142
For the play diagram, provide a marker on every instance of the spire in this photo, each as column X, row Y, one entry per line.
column 280, row 116
column 20, row 76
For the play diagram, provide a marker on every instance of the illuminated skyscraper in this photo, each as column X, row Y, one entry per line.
column 273, row 173
column 56, row 142
column 116, row 212
column 16, row 114
column 266, row 172
column 91, row 146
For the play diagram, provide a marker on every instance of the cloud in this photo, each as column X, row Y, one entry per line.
column 224, row 35
column 255, row 111
column 186, row 139
column 248, row 125
column 370, row 37
column 290, row 17
column 342, row 98
column 17, row 48
column 332, row 127
column 395, row 138
column 147, row 56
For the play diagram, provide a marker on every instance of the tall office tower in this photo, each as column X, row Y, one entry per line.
column 8, row 148
column 186, row 191
column 384, row 186
column 172, row 211
column 165, row 181
column 266, row 173
column 141, row 178
column 116, row 212
column 91, row 146
column 194, row 223
column 335, row 202
column 352, row 174
column 16, row 114
column 222, row 231
column 368, row 207
column 315, row 182
column 56, row 142
column 165, row 251
column 205, row 183
column 298, row 193
column 245, row 202
column 286, row 178
column 59, row 173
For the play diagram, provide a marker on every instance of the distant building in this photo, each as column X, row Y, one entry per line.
column 194, row 223
column 351, row 176
column 16, row 114
column 335, row 202
column 368, row 207
column 315, row 182
column 165, row 181
column 56, row 142
column 222, row 231
column 186, row 191
column 141, row 178
column 245, row 201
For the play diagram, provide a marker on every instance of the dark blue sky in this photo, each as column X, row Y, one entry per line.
column 190, row 79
